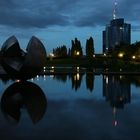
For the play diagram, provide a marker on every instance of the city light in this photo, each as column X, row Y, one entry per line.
column 44, row 77
column 52, row 69
column 115, row 123
column 51, row 54
column 17, row 81
column 78, row 53
column 107, row 80
column 77, row 77
column 51, row 76
column 133, row 57
column 120, row 55
column 77, row 69
column 37, row 77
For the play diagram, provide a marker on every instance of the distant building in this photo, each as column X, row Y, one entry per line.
column 116, row 32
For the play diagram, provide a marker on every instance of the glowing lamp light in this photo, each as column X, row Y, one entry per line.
column 44, row 77
column 78, row 53
column 120, row 55
column 115, row 123
column 37, row 77
column 51, row 54
column 120, row 76
column 106, row 80
column 78, row 76
column 133, row 57
column 51, row 76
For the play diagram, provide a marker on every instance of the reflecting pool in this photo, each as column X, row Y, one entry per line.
column 71, row 106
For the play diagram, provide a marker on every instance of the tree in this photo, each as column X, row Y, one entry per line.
column 60, row 51
column 72, row 48
column 76, row 49
column 90, row 48
column 63, row 50
column 69, row 52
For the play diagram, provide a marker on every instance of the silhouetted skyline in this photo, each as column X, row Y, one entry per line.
column 58, row 22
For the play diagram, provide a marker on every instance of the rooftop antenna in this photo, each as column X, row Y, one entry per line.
column 115, row 9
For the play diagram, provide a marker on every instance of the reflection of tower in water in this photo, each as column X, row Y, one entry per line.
column 117, row 91
column 115, row 122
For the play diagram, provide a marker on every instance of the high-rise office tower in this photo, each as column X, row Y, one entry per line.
column 116, row 32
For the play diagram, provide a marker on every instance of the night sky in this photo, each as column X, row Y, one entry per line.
column 57, row 22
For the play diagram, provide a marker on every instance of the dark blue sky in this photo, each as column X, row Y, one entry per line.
column 57, row 22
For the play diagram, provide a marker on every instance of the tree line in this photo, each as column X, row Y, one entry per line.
column 76, row 49
column 127, row 50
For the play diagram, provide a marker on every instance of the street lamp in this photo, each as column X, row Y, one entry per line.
column 77, row 53
column 120, row 55
column 133, row 57
column 51, row 54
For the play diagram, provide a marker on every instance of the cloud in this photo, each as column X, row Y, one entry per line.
column 130, row 10
column 99, row 14
column 29, row 14
column 42, row 14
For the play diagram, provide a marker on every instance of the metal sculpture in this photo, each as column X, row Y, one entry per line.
column 20, row 64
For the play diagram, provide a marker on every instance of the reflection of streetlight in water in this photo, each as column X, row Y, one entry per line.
column 77, row 77
column 115, row 122
column 23, row 95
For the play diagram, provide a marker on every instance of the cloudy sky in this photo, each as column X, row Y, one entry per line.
column 57, row 22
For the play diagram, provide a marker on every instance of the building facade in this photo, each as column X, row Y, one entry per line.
column 116, row 33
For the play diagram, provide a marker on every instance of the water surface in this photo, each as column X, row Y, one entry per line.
column 74, row 106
